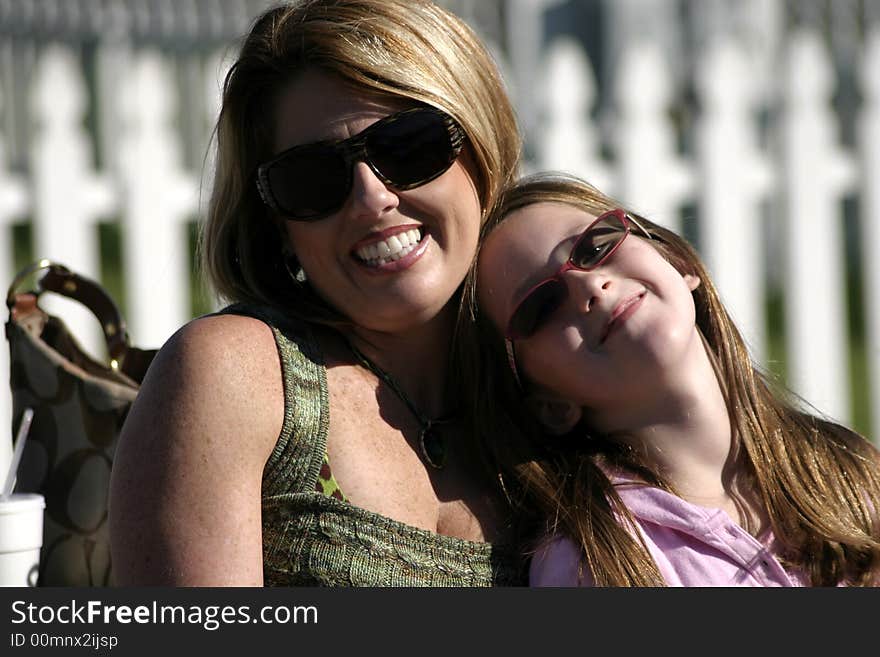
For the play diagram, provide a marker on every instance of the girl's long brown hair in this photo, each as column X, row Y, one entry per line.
column 818, row 482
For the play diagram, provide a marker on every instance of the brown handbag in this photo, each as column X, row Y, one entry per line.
column 79, row 406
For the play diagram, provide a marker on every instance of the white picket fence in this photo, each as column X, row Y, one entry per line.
column 764, row 204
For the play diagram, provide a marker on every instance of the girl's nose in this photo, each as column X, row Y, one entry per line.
column 586, row 288
column 370, row 197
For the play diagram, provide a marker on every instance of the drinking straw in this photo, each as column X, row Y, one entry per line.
column 23, row 429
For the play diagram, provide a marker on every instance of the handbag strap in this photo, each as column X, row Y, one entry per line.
column 61, row 280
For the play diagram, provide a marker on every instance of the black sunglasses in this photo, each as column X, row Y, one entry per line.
column 404, row 150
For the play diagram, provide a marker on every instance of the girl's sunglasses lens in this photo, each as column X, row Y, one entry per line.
column 310, row 184
column 534, row 310
column 413, row 150
column 598, row 241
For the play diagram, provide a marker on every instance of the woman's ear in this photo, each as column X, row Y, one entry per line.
column 558, row 416
column 693, row 282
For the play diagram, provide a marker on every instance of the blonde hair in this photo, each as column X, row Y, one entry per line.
column 399, row 48
column 819, row 482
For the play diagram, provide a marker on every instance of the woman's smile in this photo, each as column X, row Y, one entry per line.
column 393, row 249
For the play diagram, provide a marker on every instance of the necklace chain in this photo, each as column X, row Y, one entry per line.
column 431, row 443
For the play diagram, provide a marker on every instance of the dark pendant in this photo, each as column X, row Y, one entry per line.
column 431, row 444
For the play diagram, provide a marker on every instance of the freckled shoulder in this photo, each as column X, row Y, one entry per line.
column 231, row 369
column 185, row 485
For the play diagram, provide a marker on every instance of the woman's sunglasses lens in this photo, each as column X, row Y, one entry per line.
column 406, row 152
column 413, row 150
column 534, row 310
column 310, row 184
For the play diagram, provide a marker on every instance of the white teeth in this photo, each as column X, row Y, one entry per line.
column 394, row 248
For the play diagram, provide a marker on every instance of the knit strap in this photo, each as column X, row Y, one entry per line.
column 299, row 453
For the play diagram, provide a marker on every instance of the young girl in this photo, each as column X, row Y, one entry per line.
column 672, row 461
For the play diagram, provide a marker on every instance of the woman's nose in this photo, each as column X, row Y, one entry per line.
column 370, row 197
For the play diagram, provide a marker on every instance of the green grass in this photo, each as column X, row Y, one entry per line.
column 857, row 357
column 860, row 388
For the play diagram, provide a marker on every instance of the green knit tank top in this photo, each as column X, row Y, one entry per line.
column 311, row 539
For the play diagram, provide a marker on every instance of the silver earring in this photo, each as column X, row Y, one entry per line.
column 299, row 277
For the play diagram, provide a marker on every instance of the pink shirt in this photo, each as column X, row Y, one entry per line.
column 691, row 545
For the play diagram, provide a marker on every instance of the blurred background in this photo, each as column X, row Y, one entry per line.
column 752, row 126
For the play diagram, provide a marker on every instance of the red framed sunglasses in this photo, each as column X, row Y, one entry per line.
column 593, row 247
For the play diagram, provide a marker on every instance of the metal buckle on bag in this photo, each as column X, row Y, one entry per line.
column 61, row 280
column 25, row 273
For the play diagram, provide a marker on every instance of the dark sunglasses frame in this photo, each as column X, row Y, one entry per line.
column 626, row 220
column 356, row 149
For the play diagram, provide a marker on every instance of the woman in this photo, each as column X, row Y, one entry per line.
column 309, row 433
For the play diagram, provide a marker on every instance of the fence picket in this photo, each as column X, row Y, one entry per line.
column 733, row 180
column 816, row 174
column 651, row 176
column 13, row 205
column 159, row 198
column 570, row 140
column 69, row 195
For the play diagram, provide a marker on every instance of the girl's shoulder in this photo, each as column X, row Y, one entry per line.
column 557, row 562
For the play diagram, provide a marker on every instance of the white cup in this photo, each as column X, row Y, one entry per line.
column 21, row 537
